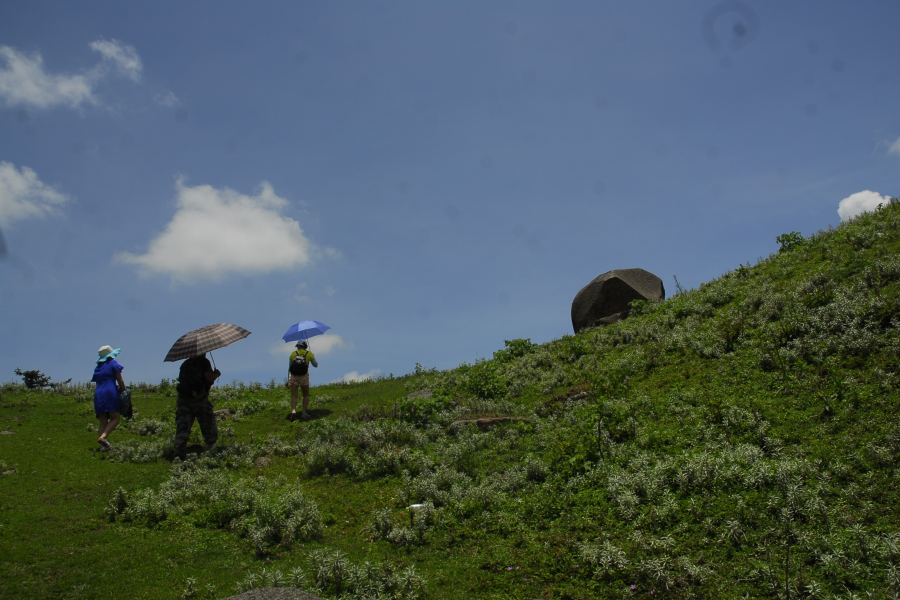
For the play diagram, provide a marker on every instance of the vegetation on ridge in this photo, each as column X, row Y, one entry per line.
column 738, row 440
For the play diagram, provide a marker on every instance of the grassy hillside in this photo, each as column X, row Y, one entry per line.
column 739, row 440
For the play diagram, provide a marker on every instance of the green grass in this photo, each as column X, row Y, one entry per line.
column 738, row 440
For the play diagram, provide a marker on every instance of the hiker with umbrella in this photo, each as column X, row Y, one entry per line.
column 299, row 361
column 195, row 378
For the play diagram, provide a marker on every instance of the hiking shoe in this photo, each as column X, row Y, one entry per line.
column 306, row 416
column 104, row 442
column 292, row 417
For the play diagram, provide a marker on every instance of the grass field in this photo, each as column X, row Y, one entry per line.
column 738, row 440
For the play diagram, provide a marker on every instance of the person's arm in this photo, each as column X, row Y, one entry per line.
column 211, row 376
column 121, row 382
column 314, row 363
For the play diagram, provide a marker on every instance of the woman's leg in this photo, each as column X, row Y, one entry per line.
column 114, row 419
column 104, row 419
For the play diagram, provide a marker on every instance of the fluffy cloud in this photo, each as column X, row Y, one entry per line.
column 320, row 345
column 354, row 376
column 24, row 196
column 860, row 202
column 324, row 344
column 216, row 232
column 24, row 82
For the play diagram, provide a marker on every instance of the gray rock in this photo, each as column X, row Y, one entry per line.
column 605, row 300
column 420, row 394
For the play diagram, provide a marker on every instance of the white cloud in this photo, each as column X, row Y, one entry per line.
column 24, row 82
column 283, row 348
column 354, row 376
column 860, row 202
column 23, row 195
column 215, row 232
column 895, row 147
column 321, row 345
column 324, row 344
column 123, row 57
column 168, row 99
column 330, row 291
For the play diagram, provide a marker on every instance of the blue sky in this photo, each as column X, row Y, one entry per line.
column 427, row 178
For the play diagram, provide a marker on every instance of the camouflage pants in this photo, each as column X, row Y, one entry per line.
column 186, row 411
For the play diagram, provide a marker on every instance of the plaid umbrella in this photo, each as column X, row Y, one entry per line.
column 206, row 339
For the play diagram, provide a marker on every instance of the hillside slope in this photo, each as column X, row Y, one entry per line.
column 738, row 440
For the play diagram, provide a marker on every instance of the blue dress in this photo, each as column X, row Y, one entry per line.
column 106, row 396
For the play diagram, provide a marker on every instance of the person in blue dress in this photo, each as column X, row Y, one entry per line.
column 108, row 377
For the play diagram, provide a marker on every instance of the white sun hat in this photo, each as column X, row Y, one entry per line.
column 107, row 352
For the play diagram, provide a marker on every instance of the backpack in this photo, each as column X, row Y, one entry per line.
column 192, row 377
column 299, row 366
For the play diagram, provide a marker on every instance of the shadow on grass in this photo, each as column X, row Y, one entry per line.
column 314, row 413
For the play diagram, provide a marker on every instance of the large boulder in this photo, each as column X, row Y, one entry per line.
column 605, row 300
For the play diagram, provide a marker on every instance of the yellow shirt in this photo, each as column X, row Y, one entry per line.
column 310, row 357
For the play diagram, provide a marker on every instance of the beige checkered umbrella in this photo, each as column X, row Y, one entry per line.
column 206, row 339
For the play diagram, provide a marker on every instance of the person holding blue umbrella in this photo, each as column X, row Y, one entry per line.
column 298, row 376
column 301, row 358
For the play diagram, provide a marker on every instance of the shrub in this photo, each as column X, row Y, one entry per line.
column 422, row 411
column 382, row 524
column 257, row 509
column 148, row 427
column 34, row 379
column 328, row 458
column 482, row 380
column 789, row 241
column 334, row 575
column 516, row 348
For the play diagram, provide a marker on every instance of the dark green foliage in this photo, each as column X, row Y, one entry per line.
column 640, row 307
column 789, row 241
column 34, row 379
column 514, row 349
column 422, row 410
column 482, row 380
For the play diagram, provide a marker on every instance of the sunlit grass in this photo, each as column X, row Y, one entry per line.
column 738, row 440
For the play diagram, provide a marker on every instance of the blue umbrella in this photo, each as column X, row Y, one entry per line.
column 304, row 330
